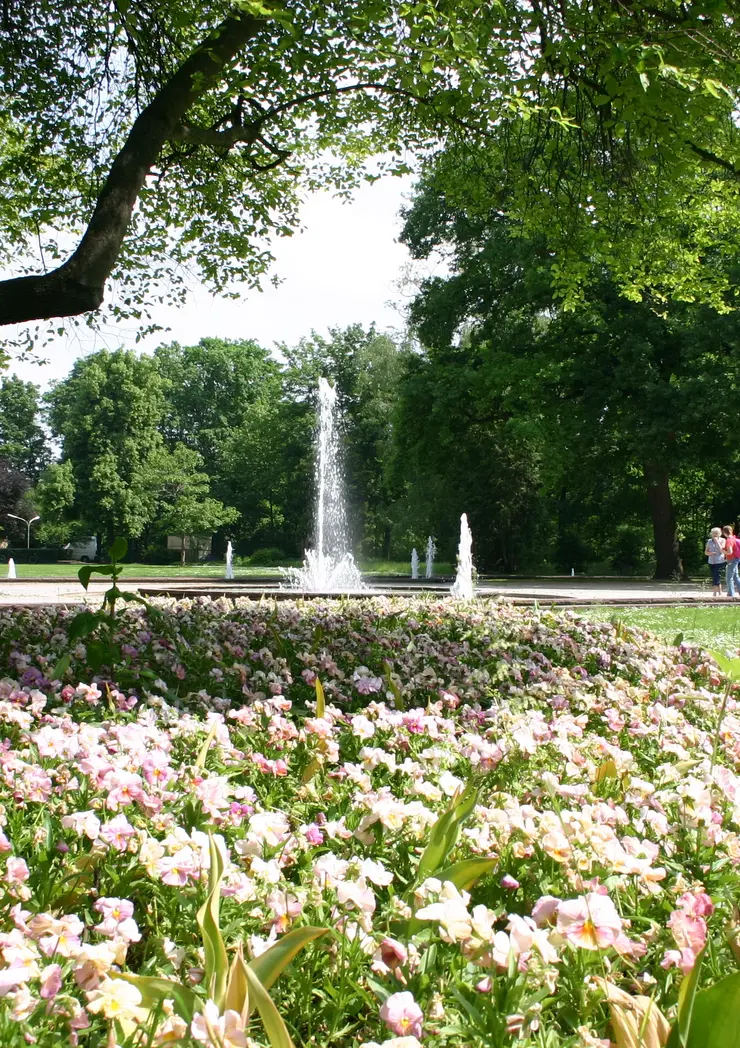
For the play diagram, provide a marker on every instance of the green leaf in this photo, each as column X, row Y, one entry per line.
column 83, row 624
column 275, row 1028
column 713, row 1021
column 678, row 640
column 443, row 834
column 154, row 990
column 730, row 667
column 273, row 962
column 119, row 549
column 464, row 874
column 393, row 688
column 61, row 667
column 200, row 761
column 216, row 960
column 686, row 998
column 320, row 698
column 93, row 569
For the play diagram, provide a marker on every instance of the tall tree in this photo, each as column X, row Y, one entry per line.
column 183, row 504
column 179, row 134
column 23, row 441
column 209, row 390
column 616, row 388
column 106, row 415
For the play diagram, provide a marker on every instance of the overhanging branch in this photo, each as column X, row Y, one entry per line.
column 78, row 285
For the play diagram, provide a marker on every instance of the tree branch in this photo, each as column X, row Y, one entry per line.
column 78, row 285
column 712, row 158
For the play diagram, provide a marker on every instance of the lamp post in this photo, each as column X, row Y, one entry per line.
column 28, row 524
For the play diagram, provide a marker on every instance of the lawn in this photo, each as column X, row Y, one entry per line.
column 715, row 627
column 465, row 824
column 207, row 571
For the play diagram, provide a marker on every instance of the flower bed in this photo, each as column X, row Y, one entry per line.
column 564, row 778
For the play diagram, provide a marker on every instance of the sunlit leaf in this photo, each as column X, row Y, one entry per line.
column 154, row 990
column 216, row 960
column 275, row 1028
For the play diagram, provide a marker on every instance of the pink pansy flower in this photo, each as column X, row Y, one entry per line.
column 402, row 1014
column 51, row 981
column 117, row 833
column 390, row 957
column 16, row 871
column 590, row 921
column 219, row 1031
column 545, row 909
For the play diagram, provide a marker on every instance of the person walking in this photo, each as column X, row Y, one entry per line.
column 715, row 553
column 732, row 557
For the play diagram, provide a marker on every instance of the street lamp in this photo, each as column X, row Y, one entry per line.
column 28, row 524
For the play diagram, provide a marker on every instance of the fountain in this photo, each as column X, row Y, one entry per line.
column 330, row 566
column 462, row 587
column 431, row 551
column 229, row 560
column 414, row 564
column 11, row 568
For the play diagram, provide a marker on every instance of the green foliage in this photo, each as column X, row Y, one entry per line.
column 708, row 1018
column 23, row 441
column 106, row 415
column 615, row 407
column 98, row 628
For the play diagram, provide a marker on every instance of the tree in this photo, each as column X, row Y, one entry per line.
column 180, row 135
column 209, row 390
column 22, row 439
column 106, row 414
column 183, row 505
column 13, row 487
column 615, row 389
column 54, row 499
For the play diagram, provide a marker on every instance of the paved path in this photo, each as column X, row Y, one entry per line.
column 563, row 590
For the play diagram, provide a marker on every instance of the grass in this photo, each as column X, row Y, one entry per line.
column 206, row 571
column 711, row 626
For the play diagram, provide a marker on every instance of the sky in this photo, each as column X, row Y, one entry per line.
column 343, row 267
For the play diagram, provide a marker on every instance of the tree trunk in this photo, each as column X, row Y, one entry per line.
column 665, row 535
column 387, row 541
column 78, row 285
column 182, row 552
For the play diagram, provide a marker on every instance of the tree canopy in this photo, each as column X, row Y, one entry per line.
column 174, row 137
column 619, row 404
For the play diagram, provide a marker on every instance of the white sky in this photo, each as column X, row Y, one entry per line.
column 343, row 268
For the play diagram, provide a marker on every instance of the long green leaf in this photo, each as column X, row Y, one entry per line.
column 200, row 761
column 61, row 667
column 275, row 1028
column 444, row 833
column 273, row 962
column 154, row 990
column 320, row 699
column 730, row 667
column 464, row 874
column 686, row 997
column 715, row 1017
column 216, row 960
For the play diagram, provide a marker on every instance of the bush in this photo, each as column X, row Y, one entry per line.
column 270, row 557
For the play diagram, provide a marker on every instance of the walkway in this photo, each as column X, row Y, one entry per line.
column 556, row 590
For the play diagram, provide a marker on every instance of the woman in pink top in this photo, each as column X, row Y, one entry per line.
column 732, row 556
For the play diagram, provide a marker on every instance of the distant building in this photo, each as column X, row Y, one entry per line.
column 192, row 548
